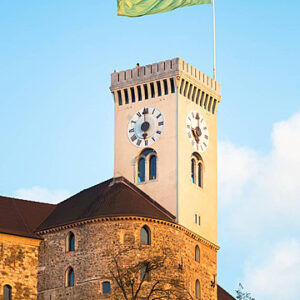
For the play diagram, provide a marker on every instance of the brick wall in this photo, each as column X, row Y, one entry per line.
column 18, row 266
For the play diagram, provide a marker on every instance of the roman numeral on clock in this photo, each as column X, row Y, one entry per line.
column 139, row 114
column 133, row 138
column 160, row 123
column 131, row 130
column 139, row 142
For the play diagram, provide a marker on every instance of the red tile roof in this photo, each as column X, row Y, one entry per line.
column 22, row 217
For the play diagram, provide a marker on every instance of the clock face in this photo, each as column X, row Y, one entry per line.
column 197, row 131
column 145, row 127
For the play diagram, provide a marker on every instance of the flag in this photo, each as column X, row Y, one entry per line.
column 138, row 8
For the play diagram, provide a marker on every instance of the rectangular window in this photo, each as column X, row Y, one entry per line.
column 214, row 106
column 166, row 87
column 139, row 93
column 181, row 86
column 126, row 96
column 190, row 91
column 198, row 96
column 172, row 85
column 199, row 220
column 196, row 218
column 132, row 95
column 152, row 90
column 120, row 98
column 146, row 91
column 158, row 88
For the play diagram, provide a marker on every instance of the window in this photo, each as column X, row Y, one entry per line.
column 145, row 235
column 166, row 87
column 141, row 169
column 7, row 291
column 70, row 277
column 146, row 165
column 172, row 85
column 126, row 96
column 146, row 91
column 145, row 273
column 197, row 254
column 158, row 88
column 197, row 169
column 152, row 90
column 197, row 288
column 139, row 92
column 120, row 98
column 132, row 95
column 152, row 167
column 70, row 242
column 106, row 287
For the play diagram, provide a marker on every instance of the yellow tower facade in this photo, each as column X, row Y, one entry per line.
column 166, row 139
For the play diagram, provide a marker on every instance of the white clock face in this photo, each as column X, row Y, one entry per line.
column 197, row 131
column 145, row 127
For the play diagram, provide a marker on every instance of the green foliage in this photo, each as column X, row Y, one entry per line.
column 242, row 295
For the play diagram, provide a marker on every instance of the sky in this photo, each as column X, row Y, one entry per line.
column 56, row 125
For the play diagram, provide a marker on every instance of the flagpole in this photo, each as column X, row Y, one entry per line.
column 214, row 37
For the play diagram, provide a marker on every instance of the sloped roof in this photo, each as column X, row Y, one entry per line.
column 223, row 295
column 22, row 217
column 111, row 198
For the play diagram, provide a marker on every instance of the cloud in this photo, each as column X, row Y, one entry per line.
column 42, row 194
column 278, row 277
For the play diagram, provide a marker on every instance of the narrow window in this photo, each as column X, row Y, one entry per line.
column 197, row 288
column 181, row 86
column 202, row 98
column 205, row 103
column 172, row 85
column 199, row 220
column 126, row 96
column 210, row 103
column 146, row 91
column 7, row 292
column 70, row 242
column 152, row 167
column 141, row 169
column 196, row 218
column 158, row 88
column 198, row 96
column 152, row 90
column 200, row 174
column 70, row 277
column 197, row 254
column 185, row 89
column 194, row 94
column 214, row 106
column 145, row 274
column 120, row 98
column 145, row 235
column 132, row 94
column 166, row 87
column 193, row 170
column 139, row 93
column 190, row 91
column 106, row 287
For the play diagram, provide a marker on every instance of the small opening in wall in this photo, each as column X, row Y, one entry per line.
column 196, row 218
column 194, row 94
column 139, row 92
column 120, row 98
column 199, row 220
column 126, row 96
column 214, row 106
column 197, row 97
column 209, row 104
column 166, row 87
column 190, row 91
column 158, row 88
column 181, row 86
column 132, row 95
column 172, row 85
column 152, row 90
column 146, row 91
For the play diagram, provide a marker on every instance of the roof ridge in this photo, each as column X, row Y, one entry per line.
column 25, row 200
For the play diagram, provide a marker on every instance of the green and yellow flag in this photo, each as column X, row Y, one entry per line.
column 138, row 8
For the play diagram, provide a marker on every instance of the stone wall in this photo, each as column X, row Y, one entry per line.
column 18, row 266
column 97, row 242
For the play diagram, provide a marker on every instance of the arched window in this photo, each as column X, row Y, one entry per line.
column 197, row 169
column 70, row 242
column 106, row 287
column 197, row 289
column 7, row 291
column 145, row 235
column 146, row 165
column 70, row 277
column 141, row 169
column 197, row 254
column 152, row 167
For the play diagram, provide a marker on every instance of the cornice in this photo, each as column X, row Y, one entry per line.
column 188, row 232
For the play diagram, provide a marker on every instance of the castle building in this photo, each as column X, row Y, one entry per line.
column 152, row 228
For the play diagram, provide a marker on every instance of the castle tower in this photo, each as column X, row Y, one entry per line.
column 166, row 139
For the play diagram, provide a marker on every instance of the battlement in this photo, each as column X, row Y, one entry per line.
column 164, row 69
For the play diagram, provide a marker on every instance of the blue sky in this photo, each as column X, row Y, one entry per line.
column 56, row 125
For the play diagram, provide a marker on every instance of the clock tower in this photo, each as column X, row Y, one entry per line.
column 166, row 139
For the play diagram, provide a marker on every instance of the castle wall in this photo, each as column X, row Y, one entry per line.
column 96, row 244
column 18, row 266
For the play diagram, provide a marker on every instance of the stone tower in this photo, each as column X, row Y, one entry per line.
column 166, row 139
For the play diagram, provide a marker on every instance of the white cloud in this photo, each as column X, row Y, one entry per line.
column 278, row 277
column 42, row 194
